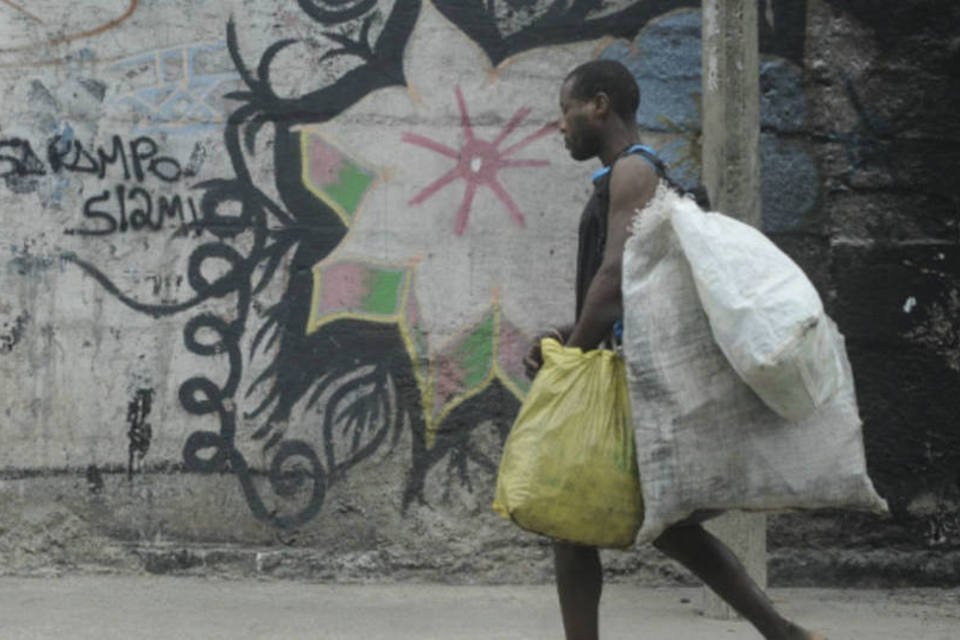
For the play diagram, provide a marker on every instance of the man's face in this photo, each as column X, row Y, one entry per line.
column 579, row 125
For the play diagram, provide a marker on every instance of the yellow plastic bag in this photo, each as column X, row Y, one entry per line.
column 569, row 466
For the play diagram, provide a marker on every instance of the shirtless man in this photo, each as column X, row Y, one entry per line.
column 598, row 102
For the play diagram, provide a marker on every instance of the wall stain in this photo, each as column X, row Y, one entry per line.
column 140, row 433
column 94, row 479
column 11, row 332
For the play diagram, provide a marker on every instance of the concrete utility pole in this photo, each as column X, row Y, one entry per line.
column 731, row 174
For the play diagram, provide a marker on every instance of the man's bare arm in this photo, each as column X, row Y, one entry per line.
column 632, row 185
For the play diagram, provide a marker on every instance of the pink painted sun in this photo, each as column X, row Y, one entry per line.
column 479, row 163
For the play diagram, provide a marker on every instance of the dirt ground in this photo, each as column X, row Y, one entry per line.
column 148, row 607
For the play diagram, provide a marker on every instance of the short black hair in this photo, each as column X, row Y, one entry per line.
column 610, row 77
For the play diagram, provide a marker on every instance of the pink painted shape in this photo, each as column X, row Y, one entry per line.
column 536, row 135
column 479, row 163
column 465, row 123
column 325, row 163
column 515, row 121
column 513, row 348
column 427, row 143
column 413, row 312
column 463, row 214
column 343, row 287
column 450, row 377
column 436, row 185
column 507, row 201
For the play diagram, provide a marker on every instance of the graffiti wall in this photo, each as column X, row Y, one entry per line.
column 269, row 269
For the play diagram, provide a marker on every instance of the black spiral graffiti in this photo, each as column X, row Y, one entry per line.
column 275, row 232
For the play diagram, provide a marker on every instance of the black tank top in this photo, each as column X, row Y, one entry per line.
column 593, row 221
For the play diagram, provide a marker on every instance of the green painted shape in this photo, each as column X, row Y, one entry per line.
column 476, row 353
column 352, row 183
column 384, row 287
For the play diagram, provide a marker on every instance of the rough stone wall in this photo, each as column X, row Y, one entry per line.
column 269, row 268
column 858, row 146
column 888, row 143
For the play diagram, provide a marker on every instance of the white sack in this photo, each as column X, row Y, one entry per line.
column 766, row 316
column 704, row 439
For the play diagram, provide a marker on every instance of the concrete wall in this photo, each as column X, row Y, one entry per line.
column 269, row 268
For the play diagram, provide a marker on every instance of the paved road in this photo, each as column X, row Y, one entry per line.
column 148, row 607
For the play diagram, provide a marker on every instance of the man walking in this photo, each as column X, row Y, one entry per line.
column 598, row 103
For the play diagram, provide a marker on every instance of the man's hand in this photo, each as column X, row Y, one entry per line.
column 534, row 359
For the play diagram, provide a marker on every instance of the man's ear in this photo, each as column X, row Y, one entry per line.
column 601, row 104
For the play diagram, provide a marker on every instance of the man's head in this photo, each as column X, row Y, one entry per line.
column 596, row 96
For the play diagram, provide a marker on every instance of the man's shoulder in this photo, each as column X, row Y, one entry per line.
column 633, row 165
column 633, row 174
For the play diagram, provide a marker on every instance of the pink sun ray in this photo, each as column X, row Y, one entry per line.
column 514, row 122
column 479, row 163
column 427, row 143
column 536, row 135
column 436, row 185
column 508, row 202
column 465, row 123
column 463, row 214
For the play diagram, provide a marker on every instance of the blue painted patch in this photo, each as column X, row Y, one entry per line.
column 783, row 105
column 681, row 155
column 66, row 134
column 789, row 185
column 180, row 90
column 665, row 60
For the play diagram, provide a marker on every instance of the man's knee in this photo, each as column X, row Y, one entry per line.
column 665, row 542
column 678, row 539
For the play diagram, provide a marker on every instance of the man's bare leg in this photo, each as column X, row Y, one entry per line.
column 711, row 561
column 579, row 583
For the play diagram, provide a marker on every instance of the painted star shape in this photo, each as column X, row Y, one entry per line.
column 479, row 163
